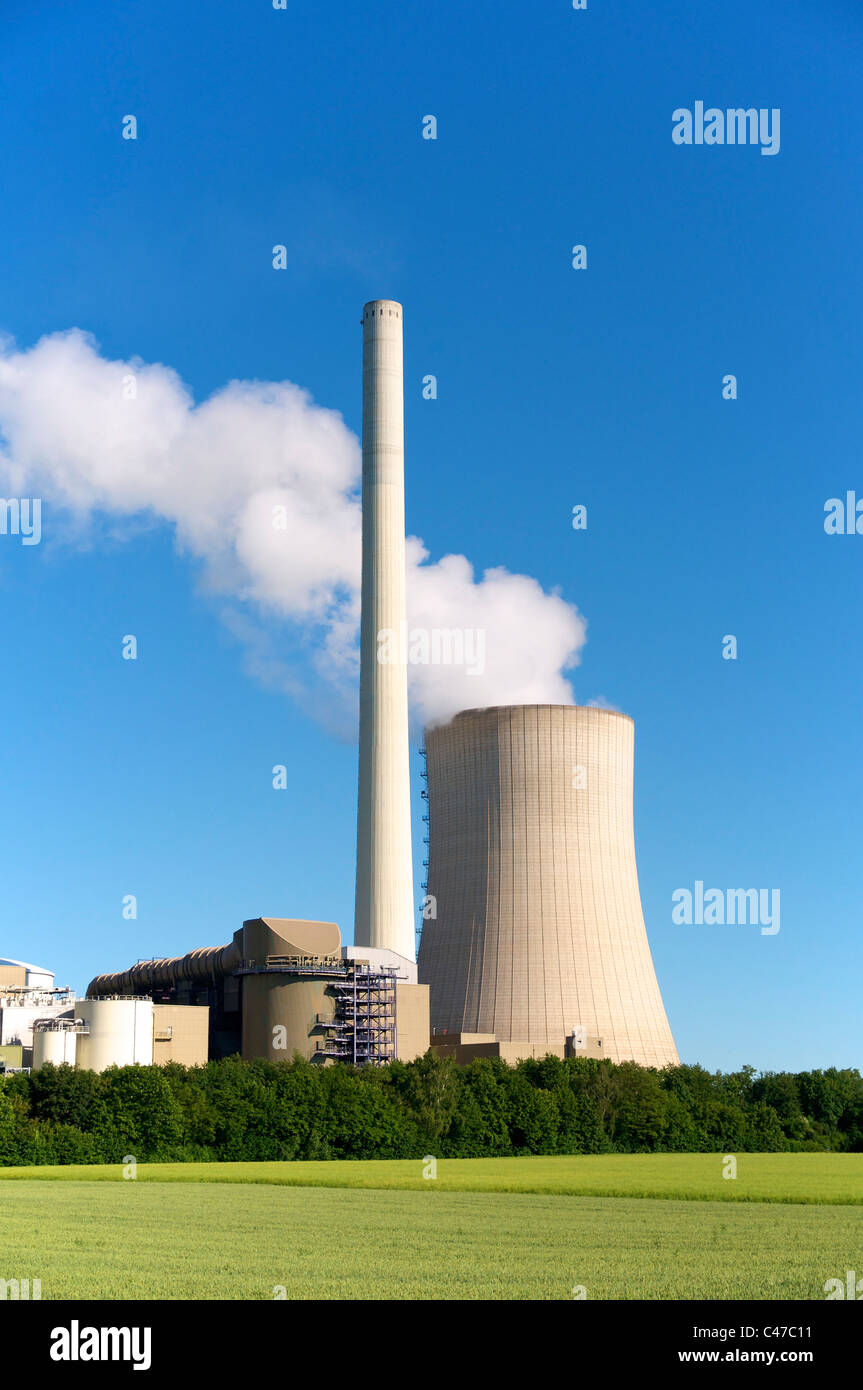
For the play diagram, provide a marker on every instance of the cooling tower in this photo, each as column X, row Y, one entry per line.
column 384, row 898
column 539, row 936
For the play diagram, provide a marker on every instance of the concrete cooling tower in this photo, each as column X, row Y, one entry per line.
column 539, row 938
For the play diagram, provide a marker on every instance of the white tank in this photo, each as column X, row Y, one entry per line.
column 118, row 1033
column 57, row 1045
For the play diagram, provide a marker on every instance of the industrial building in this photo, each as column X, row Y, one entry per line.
column 536, row 942
column 27, row 993
column 18, row 975
column 281, row 987
column 39, row 1024
column 122, row 1032
column 284, row 986
column 539, row 944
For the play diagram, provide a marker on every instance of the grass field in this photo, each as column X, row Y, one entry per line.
column 487, row 1228
column 815, row 1178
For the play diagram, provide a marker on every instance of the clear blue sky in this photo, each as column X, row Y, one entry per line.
column 302, row 127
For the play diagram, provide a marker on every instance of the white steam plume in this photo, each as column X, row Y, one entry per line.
column 261, row 486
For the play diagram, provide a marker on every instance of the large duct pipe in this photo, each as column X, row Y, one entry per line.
column 259, row 938
column 201, row 967
column 384, row 896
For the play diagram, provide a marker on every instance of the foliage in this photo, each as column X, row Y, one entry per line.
column 260, row 1111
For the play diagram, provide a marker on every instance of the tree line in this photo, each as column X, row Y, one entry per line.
column 232, row 1110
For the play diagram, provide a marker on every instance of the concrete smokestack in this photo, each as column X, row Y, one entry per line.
column 384, row 901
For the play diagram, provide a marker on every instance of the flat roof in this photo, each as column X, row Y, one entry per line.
column 37, row 969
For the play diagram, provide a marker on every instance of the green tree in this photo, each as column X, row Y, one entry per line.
column 143, row 1117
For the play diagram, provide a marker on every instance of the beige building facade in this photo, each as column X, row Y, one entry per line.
column 539, row 939
column 412, row 1021
column 180, row 1034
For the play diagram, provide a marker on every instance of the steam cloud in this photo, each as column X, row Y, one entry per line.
column 262, row 488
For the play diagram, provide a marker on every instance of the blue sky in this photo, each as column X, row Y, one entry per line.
column 556, row 387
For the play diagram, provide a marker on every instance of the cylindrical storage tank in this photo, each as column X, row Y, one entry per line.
column 56, row 1045
column 120, row 1033
column 539, row 935
column 282, row 1015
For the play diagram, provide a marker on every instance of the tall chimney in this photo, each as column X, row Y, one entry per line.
column 384, row 901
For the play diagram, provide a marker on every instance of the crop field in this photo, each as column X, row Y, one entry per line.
column 533, row 1228
column 815, row 1178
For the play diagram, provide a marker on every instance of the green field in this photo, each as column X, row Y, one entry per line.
column 670, row 1227
column 813, row 1178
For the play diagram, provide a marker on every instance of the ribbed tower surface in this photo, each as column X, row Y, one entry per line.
column 539, row 928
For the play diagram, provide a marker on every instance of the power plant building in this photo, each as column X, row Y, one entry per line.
column 27, row 993
column 536, row 940
column 122, row 1032
column 539, row 942
column 286, row 986
column 18, row 975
